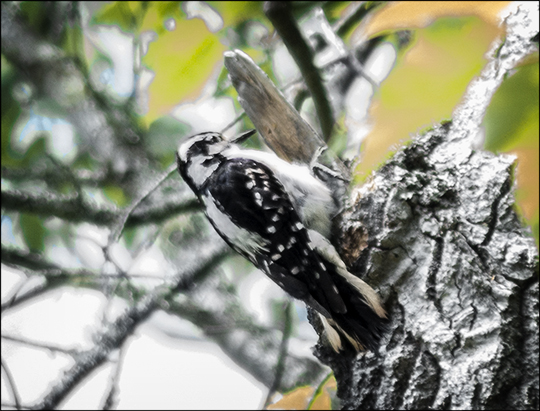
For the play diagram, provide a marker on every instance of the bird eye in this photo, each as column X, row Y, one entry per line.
column 199, row 147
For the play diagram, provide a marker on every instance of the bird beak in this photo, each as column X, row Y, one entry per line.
column 243, row 137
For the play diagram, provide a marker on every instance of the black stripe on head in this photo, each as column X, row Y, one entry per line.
column 197, row 145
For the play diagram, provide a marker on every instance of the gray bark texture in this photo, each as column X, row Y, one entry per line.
column 458, row 274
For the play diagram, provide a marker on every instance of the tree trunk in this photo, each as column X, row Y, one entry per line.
column 458, row 275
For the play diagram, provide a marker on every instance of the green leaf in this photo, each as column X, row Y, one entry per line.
column 116, row 195
column 33, row 231
column 513, row 108
column 164, row 135
column 35, row 14
column 119, row 13
column 511, row 125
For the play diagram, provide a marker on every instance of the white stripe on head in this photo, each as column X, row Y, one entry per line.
column 183, row 150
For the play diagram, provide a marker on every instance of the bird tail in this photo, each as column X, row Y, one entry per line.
column 364, row 321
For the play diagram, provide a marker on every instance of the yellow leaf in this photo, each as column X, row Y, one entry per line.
column 416, row 14
column 183, row 60
column 304, row 398
column 297, row 399
column 426, row 84
column 323, row 399
column 234, row 12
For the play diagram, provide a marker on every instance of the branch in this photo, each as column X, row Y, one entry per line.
column 356, row 14
column 106, row 341
column 55, row 176
column 22, row 258
column 283, row 129
column 55, row 276
column 114, row 334
column 279, row 14
column 111, row 399
column 127, row 214
column 72, row 209
column 275, row 119
column 506, row 55
column 254, row 348
column 217, row 322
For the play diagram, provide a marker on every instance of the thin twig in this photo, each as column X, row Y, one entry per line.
column 11, row 384
column 115, row 377
column 117, row 232
column 283, row 350
column 319, row 390
column 232, row 123
column 356, row 14
column 35, row 344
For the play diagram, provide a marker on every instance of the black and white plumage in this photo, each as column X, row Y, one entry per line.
column 278, row 215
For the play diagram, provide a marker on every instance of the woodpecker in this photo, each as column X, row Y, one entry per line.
column 278, row 216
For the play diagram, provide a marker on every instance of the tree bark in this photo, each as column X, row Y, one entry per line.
column 442, row 242
column 459, row 278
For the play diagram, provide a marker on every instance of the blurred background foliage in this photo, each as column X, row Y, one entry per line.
column 160, row 66
column 178, row 51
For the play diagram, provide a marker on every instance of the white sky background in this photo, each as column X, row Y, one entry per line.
column 158, row 370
